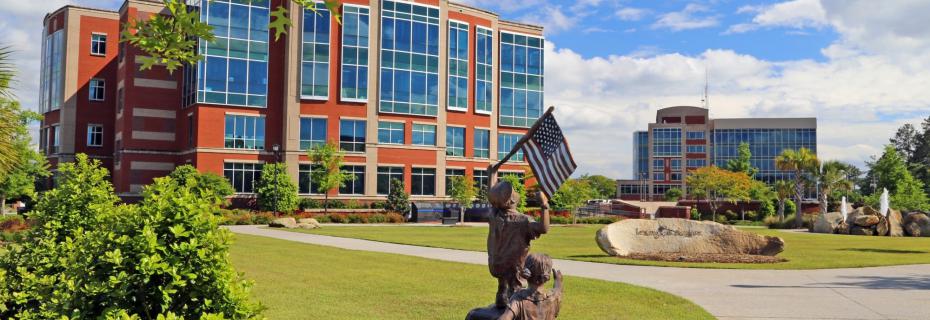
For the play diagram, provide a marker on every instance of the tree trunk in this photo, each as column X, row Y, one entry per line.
column 781, row 210
column 3, row 205
column 799, row 213
column 824, row 201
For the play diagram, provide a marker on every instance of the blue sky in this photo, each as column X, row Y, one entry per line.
column 858, row 67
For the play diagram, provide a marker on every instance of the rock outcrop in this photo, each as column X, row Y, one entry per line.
column 670, row 235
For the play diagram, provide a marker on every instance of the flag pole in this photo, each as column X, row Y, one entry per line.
column 492, row 169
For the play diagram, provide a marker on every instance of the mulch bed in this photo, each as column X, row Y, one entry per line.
column 715, row 258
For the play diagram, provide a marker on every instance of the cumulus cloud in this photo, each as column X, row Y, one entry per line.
column 792, row 14
column 693, row 16
column 630, row 13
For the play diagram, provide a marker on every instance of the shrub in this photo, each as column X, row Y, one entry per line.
column 789, row 222
column 357, row 218
column 275, row 190
column 730, row 215
column 14, row 223
column 338, row 218
column 309, row 203
column 750, row 215
column 398, row 200
column 207, row 185
column 323, row 218
column 337, row 205
column 769, row 221
column 721, row 218
column 378, row 205
column 394, row 217
column 354, row 204
column 377, row 218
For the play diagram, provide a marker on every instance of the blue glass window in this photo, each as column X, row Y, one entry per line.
column 666, row 142
column 409, row 59
column 458, row 66
column 390, row 132
column 505, row 142
column 314, row 62
column 521, row 79
column 482, row 143
column 242, row 176
column 423, row 182
column 455, row 141
column 484, row 77
column 305, row 183
column 424, row 134
column 697, row 148
column 235, row 68
column 765, row 145
column 695, row 135
column 386, row 175
column 354, row 85
column 312, row 132
column 245, row 132
column 696, row 163
column 354, row 186
column 352, row 135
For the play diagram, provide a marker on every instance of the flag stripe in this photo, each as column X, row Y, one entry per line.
column 548, row 155
column 535, row 160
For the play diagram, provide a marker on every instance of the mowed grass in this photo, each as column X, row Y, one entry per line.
column 803, row 250
column 302, row 281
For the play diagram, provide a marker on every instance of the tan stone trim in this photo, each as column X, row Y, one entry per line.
column 392, row 121
column 393, row 165
column 154, row 83
column 407, row 147
column 359, row 118
column 314, row 116
column 518, row 27
column 353, row 163
column 147, row 165
column 456, row 167
column 424, row 122
column 234, row 113
column 153, row 113
column 242, row 161
column 152, row 135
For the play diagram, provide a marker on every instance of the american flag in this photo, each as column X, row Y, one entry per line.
column 548, row 154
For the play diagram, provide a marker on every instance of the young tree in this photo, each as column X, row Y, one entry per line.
column 398, row 200
column 715, row 185
column 572, row 194
column 206, row 185
column 605, row 187
column 761, row 192
column 905, row 140
column 742, row 163
column 784, row 189
column 328, row 158
column 462, row 190
column 673, row 194
column 832, row 177
column 890, row 172
column 276, row 192
column 26, row 163
column 803, row 164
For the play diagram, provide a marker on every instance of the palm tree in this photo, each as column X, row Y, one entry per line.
column 8, row 128
column 783, row 190
column 803, row 163
column 832, row 177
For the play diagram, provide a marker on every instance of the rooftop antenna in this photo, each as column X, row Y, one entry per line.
column 706, row 100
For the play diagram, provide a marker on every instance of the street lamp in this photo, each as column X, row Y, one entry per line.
column 275, row 148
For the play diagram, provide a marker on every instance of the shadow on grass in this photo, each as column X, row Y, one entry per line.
column 916, row 282
column 875, row 250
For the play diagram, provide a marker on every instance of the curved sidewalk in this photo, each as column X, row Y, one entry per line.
column 898, row 292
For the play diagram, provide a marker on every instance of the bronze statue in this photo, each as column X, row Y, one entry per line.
column 534, row 303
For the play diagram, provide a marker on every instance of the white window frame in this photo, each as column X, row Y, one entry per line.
column 414, row 131
column 102, row 84
column 403, row 132
column 91, row 132
column 493, row 72
column 93, row 41
column 468, row 65
column 464, row 138
column 329, row 62
column 475, row 145
column 300, row 141
column 342, row 56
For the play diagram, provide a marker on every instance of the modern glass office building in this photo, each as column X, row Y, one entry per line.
column 685, row 138
column 409, row 90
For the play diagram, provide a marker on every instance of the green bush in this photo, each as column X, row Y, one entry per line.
column 338, row 218
column 397, row 200
column 357, row 218
column 394, row 217
column 746, row 223
column 378, row 205
column 377, row 218
column 337, row 204
column 789, row 222
column 205, row 185
column 721, row 218
column 323, row 218
column 275, row 190
column 354, row 204
column 309, row 203
column 13, row 223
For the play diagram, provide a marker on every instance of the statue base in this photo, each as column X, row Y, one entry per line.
column 491, row 312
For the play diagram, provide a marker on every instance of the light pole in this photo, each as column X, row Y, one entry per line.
column 275, row 148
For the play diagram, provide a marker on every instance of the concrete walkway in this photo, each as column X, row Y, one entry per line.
column 899, row 292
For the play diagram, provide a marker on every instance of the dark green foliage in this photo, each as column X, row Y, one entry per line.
column 673, row 194
column 309, row 203
column 276, row 192
column 606, row 188
column 398, row 200
column 790, row 206
column 519, row 187
column 741, row 163
column 206, row 185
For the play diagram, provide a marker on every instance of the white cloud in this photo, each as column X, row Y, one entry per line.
column 792, row 14
column 686, row 19
column 630, row 14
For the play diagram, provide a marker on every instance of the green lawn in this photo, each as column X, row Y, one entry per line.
column 803, row 251
column 302, row 281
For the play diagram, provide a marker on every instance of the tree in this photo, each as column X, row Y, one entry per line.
column 8, row 129
column 803, row 164
column 605, row 187
column 26, row 163
column 171, row 39
column 742, row 163
column 462, row 190
column 761, row 192
column 784, row 189
column 163, row 256
column 328, row 158
column 518, row 187
column 890, row 172
column 398, row 200
column 206, row 185
column 905, row 141
column 673, row 194
column 276, row 192
column 716, row 185
column 832, row 177
column 572, row 194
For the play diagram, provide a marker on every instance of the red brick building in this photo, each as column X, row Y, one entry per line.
column 415, row 90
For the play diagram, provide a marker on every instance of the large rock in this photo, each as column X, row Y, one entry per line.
column 289, row 223
column 309, row 221
column 866, row 220
column 670, row 235
column 827, row 223
column 861, row 231
column 917, row 224
column 895, row 223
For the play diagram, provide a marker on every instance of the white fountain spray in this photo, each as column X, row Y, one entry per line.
column 883, row 203
column 843, row 210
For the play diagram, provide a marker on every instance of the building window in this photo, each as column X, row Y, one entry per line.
column 190, row 130
column 312, row 132
column 675, row 164
column 482, row 143
column 455, row 141
column 305, row 183
column 98, row 44
column 458, row 66
column 658, row 176
column 52, row 84
column 354, row 186
column 390, row 132
column 696, row 163
column 658, row 164
column 423, row 182
column 484, row 74
column 695, row 135
column 505, row 142
column 354, row 53
column 94, row 135
column 662, row 188
column 675, row 176
column 521, row 79
column 234, row 70
column 666, row 142
column 697, row 149
column 409, row 59
column 242, row 176
column 452, row 173
column 386, row 175
column 481, row 179
column 314, row 62
column 96, row 90
column 352, row 135
column 55, row 134
column 424, row 134
column 245, row 132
